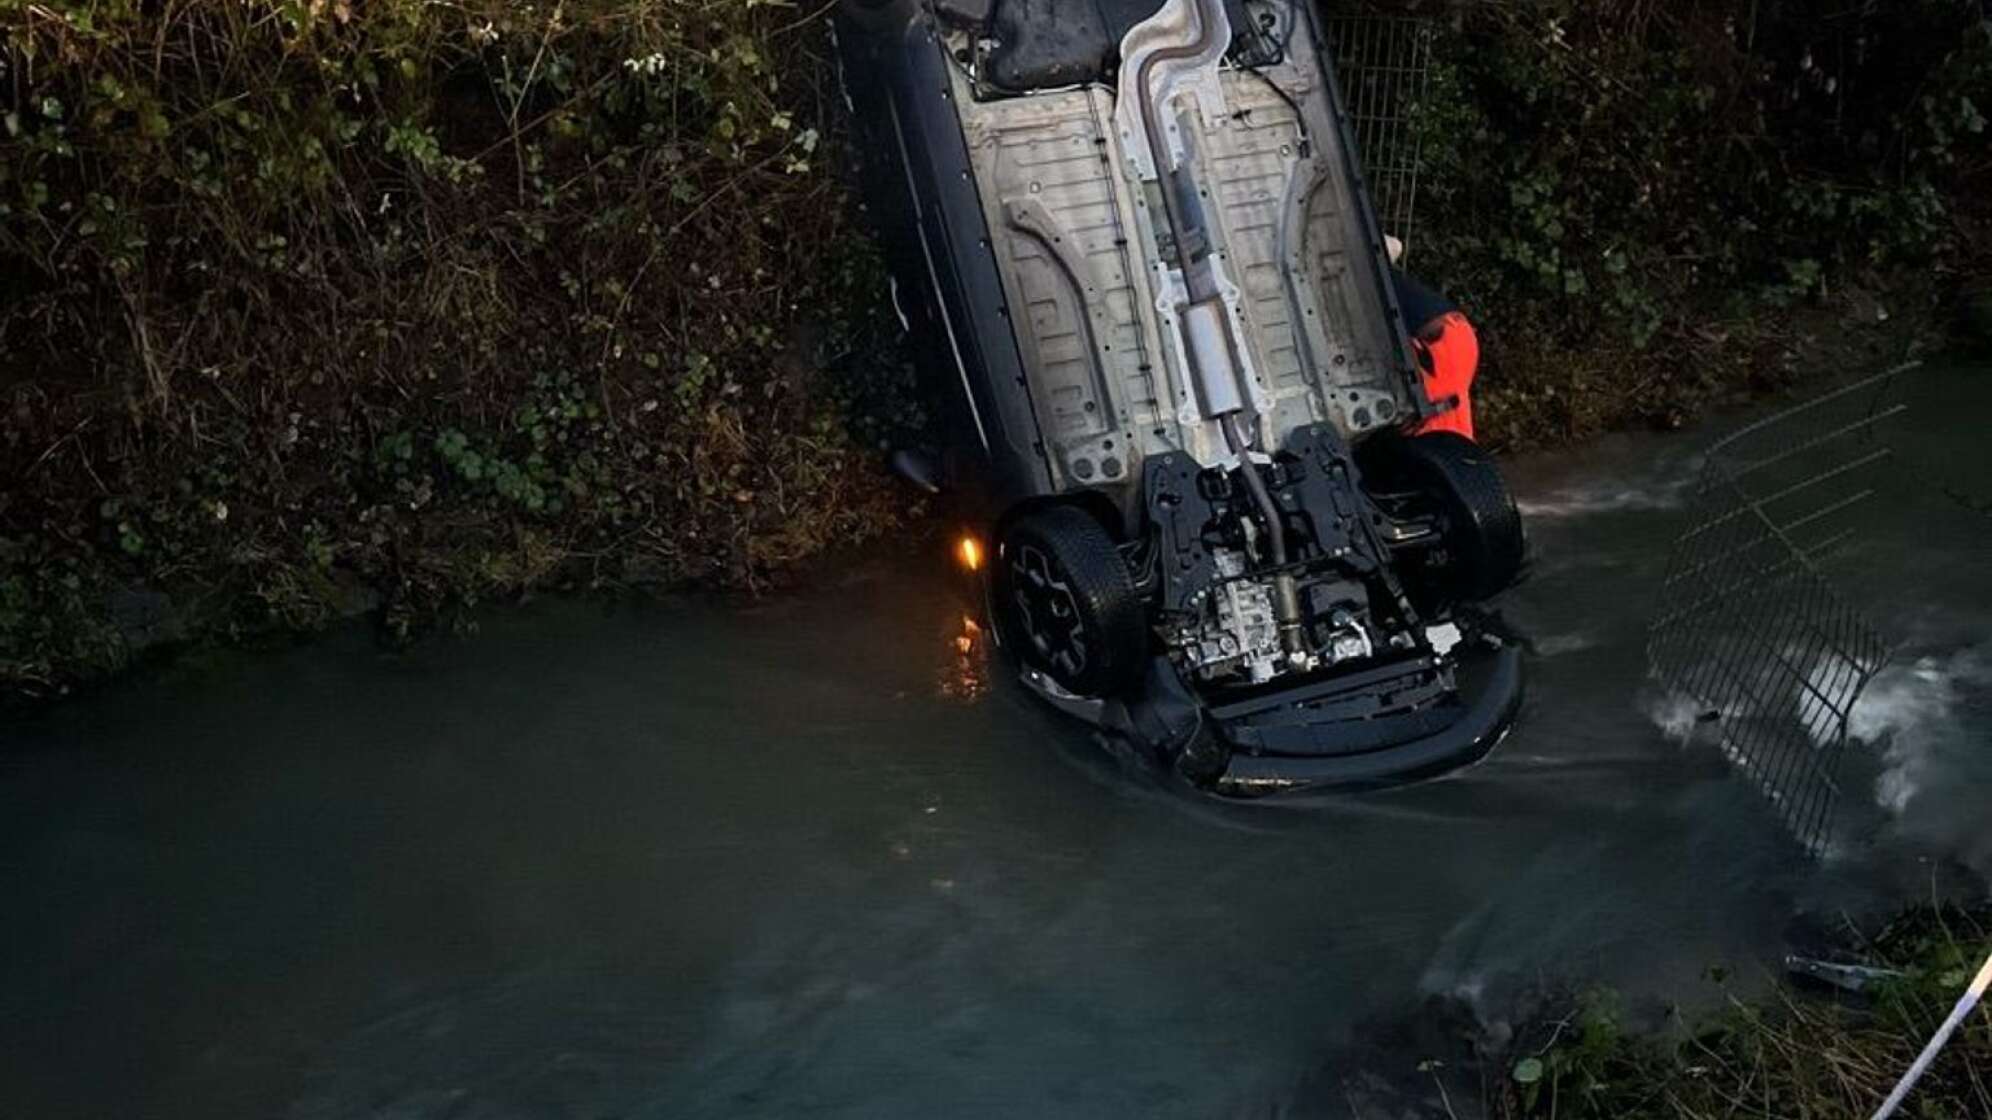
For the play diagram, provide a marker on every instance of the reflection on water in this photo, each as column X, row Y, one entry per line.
column 964, row 671
column 823, row 856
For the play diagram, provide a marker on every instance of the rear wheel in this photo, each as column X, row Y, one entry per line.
column 1067, row 603
column 1482, row 529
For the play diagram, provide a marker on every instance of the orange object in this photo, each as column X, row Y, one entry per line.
column 968, row 550
column 1448, row 356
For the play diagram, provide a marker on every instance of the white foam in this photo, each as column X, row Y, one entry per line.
column 1603, row 497
column 1687, row 720
column 1557, row 644
column 1912, row 713
column 1676, row 715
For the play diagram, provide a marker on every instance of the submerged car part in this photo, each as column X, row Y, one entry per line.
column 1072, row 605
column 1749, row 628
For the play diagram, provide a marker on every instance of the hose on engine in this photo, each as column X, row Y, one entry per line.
column 1286, row 595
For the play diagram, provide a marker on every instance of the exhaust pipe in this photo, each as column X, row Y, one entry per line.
column 1205, row 336
column 1286, row 593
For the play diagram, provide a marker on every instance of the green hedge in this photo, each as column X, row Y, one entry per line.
column 1652, row 208
column 309, row 305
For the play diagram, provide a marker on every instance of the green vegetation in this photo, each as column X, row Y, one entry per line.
column 315, row 306
column 1650, row 209
column 1795, row 1053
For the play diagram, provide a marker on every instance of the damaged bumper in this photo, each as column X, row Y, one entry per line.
column 1295, row 742
column 1401, row 722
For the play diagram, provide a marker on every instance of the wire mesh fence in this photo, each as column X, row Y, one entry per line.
column 1385, row 65
column 1750, row 629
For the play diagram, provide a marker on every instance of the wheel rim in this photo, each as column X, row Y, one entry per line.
column 1047, row 612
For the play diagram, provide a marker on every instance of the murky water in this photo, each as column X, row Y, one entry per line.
column 808, row 857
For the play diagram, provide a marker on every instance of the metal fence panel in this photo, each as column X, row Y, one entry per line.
column 1384, row 64
column 1750, row 629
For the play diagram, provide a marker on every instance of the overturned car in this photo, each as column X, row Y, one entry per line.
column 1206, row 508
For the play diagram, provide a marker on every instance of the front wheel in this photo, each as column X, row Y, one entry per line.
column 1481, row 527
column 1067, row 603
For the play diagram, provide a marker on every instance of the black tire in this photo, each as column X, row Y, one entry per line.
column 1067, row 603
column 1482, row 528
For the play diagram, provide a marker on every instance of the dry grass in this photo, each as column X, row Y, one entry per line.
column 1793, row 1054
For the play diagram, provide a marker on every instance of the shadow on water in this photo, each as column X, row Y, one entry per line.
column 682, row 860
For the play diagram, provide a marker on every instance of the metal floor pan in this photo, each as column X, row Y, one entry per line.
column 1079, row 262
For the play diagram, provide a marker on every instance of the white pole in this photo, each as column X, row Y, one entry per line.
column 1965, row 1003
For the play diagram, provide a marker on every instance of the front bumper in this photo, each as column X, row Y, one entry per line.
column 1404, row 722
column 1286, row 743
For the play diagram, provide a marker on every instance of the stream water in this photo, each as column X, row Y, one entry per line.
column 812, row 856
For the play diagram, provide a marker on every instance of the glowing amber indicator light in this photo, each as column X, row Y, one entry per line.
column 969, row 551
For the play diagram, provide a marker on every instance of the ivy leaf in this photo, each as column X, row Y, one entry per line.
column 1528, row 1071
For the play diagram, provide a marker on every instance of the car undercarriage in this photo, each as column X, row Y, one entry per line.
column 1141, row 239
